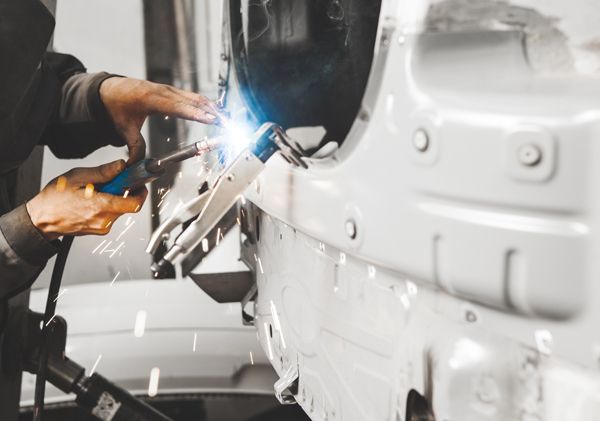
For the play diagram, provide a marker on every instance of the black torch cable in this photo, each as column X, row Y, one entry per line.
column 53, row 291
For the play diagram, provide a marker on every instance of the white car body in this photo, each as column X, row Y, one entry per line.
column 450, row 245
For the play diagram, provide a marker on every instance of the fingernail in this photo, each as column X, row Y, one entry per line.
column 89, row 191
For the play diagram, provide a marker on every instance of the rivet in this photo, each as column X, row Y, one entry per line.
column 530, row 155
column 351, row 228
column 231, row 177
column 421, row 140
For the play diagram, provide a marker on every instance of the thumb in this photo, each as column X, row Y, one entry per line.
column 95, row 175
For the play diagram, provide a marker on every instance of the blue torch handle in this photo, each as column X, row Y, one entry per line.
column 131, row 179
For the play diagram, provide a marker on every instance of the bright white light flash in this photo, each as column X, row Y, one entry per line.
column 236, row 137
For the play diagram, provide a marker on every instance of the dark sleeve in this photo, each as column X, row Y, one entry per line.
column 80, row 123
column 21, row 48
column 23, row 252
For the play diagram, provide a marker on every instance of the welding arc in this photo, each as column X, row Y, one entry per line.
column 53, row 291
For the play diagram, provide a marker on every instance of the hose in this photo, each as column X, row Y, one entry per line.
column 53, row 291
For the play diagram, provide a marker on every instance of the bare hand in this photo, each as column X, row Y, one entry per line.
column 68, row 205
column 129, row 101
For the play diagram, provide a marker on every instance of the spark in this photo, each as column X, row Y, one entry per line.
column 89, row 191
column 251, row 358
column 61, row 184
column 105, row 247
column 125, row 230
column 237, row 220
column 260, row 266
column 115, row 278
column 125, row 194
column 140, row 324
column 168, row 139
column 95, row 364
column 60, row 293
column 195, row 340
column 153, row 383
column 98, row 246
column 275, row 316
column 218, row 235
column 165, row 193
column 205, row 245
column 117, row 249
column 166, row 117
column 50, row 321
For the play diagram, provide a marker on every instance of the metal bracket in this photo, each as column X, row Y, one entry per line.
column 286, row 388
column 228, row 287
column 247, row 318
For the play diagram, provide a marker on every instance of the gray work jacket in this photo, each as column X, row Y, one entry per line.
column 45, row 99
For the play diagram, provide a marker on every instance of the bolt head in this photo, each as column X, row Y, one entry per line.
column 420, row 140
column 530, row 155
column 351, row 229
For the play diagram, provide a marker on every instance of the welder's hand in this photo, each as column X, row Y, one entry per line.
column 69, row 204
column 129, row 101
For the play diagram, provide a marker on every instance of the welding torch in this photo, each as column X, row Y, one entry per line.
column 218, row 199
column 147, row 170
